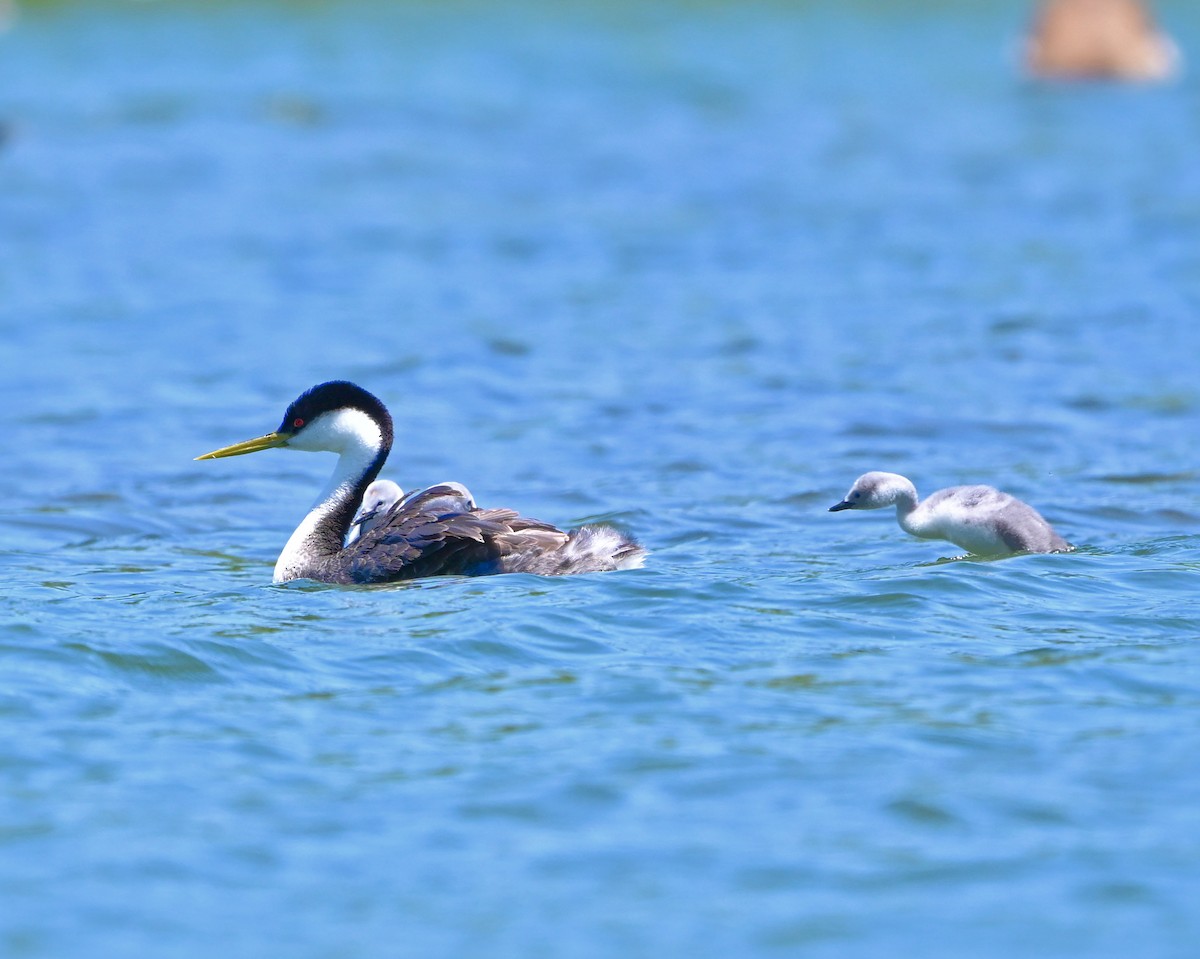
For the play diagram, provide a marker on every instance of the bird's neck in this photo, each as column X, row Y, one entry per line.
column 906, row 512
column 321, row 533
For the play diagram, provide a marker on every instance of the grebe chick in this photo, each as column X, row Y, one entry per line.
column 449, row 495
column 377, row 500
column 980, row 519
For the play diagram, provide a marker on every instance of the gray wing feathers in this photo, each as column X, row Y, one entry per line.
column 588, row 549
column 1024, row 529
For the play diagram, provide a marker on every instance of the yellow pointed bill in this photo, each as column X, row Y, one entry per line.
column 270, row 441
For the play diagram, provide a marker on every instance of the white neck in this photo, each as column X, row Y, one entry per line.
column 910, row 520
column 321, row 533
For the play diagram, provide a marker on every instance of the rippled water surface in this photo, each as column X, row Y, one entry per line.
column 688, row 268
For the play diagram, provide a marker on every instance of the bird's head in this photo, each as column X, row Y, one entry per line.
column 331, row 417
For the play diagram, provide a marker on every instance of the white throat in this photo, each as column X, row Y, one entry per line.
column 357, row 439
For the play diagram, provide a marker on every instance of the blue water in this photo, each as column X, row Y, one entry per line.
column 689, row 268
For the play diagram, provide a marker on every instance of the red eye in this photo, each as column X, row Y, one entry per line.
column 297, row 422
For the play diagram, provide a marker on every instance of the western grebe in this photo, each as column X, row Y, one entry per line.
column 378, row 499
column 450, row 495
column 437, row 531
column 980, row 519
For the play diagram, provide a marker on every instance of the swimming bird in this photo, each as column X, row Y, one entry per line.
column 980, row 519
column 437, row 531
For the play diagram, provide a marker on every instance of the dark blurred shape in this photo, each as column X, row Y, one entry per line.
column 1098, row 39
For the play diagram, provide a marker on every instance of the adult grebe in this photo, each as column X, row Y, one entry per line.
column 980, row 519
column 432, row 532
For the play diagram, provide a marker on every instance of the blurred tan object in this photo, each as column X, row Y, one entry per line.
column 1098, row 39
